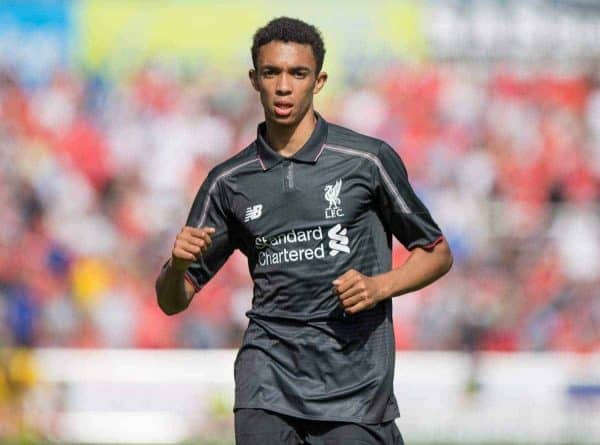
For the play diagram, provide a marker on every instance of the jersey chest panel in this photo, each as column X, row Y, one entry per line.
column 333, row 191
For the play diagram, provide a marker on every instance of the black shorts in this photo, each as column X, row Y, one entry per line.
column 262, row 427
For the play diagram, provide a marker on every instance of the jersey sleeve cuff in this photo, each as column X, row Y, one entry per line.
column 428, row 246
column 192, row 280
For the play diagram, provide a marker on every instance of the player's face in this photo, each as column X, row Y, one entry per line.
column 286, row 79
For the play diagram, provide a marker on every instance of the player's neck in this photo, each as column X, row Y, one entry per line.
column 287, row 140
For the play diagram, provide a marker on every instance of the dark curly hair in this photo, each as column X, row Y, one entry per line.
column 287, row 29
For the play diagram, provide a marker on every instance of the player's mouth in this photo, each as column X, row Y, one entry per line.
column 283, row 109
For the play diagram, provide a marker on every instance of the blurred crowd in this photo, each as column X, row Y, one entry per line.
column 97, row 175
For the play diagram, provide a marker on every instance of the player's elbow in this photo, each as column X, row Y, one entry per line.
column 160, row 300
column 445, row 257
column 169, row 311
column 164, row 308
column 165, row 301
column 167, row 308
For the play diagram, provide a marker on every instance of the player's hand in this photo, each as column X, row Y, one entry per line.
column 190, row 244
column 357, row 292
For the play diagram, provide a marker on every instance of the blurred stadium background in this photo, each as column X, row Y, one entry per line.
column 111, row 115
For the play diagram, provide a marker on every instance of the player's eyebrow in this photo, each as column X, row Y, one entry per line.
column 292, row 69
column 299, row 68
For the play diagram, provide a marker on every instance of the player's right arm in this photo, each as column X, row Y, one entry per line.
column 200, row 249
column 173, row 290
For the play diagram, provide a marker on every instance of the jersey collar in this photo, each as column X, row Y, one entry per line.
column 309, row 152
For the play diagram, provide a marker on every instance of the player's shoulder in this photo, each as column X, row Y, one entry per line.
column 346, row 138
column 243, row 160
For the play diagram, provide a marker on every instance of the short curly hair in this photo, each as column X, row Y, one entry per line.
column 288, row 29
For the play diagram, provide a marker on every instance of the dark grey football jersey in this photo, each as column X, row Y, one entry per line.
column 302, row 222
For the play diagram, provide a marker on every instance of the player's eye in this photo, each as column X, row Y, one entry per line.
column 300, row 74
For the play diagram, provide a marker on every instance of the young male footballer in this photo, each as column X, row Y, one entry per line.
column 314, row 207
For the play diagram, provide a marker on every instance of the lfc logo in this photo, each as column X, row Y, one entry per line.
column 332, row 195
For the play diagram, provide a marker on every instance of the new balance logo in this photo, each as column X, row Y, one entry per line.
column 253, row 212
column 338, row 240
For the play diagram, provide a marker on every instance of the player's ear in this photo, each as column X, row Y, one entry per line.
column 253, row 79
column 320, row 82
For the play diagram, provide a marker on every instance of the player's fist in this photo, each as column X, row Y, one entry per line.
column 357, row 292
column 189, row 245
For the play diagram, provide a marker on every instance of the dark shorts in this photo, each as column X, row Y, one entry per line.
column 261, row 427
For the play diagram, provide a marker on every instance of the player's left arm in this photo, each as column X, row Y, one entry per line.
column 358, row 292
column 407, row 218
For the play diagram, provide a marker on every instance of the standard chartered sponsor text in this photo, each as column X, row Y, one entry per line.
column 283, row 248
column 292, row 255
column 291, row 237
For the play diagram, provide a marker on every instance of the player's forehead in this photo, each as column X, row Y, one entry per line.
column 286, row 55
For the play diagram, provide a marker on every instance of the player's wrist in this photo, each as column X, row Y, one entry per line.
column 383, row 287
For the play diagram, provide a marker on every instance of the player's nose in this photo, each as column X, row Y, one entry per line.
column 283, row 86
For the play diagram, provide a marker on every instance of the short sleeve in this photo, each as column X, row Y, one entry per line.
column 402, row 211
column 208, row 210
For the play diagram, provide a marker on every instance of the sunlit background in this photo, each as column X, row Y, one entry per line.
column 113, row 112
